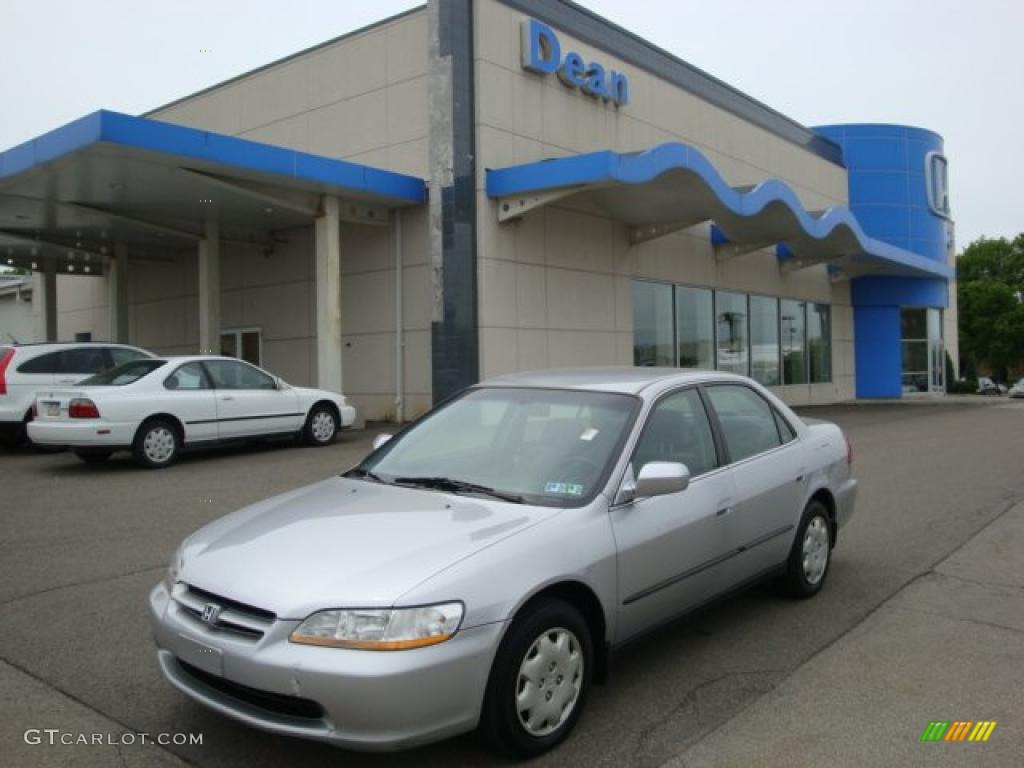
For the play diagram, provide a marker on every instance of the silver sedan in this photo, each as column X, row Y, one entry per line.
column 479, row 569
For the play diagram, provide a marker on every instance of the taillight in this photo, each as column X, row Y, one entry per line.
column 849, row 452
column 5, row 360
column 35, row 410
column 82, row 408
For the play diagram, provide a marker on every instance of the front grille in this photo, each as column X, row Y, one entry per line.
column 274, row 703
column 234, row 617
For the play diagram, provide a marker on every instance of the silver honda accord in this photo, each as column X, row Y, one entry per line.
column 478, row 569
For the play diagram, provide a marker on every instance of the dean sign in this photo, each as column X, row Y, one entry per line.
column 542, row 53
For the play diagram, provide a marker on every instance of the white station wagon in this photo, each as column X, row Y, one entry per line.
column 156, row 407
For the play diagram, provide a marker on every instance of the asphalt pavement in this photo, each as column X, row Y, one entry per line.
column 912, row 625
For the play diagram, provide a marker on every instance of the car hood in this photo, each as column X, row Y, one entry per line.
column 344, row 543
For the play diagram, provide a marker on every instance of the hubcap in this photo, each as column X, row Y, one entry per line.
column 158, row 445
column 322, row 426
column 549, row 681
column 815, row 550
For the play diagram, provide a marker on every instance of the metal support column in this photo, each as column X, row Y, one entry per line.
column 209, row 289
column 328, row 296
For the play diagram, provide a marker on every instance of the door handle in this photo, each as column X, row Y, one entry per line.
column 227, row 397
column 723, row 511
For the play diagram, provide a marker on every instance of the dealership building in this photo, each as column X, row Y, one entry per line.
column 476, row 187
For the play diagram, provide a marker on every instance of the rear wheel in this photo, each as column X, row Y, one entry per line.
column 321, row 425
column 539, row 681
column 156, row 444
column 92, row 456
column 811, row 554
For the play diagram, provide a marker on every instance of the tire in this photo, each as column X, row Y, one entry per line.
column 813, row 543
column 547, row 626
column 163, row 445
column 92, row 456
column 321, row 425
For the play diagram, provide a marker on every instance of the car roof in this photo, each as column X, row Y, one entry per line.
column 625, row 379
column 64, row 344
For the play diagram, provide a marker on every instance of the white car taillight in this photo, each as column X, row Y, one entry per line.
column 83, row 408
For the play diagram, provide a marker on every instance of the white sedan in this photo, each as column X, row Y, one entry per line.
column 157, row 407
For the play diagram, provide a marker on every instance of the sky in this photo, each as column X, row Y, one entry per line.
column 952, row 66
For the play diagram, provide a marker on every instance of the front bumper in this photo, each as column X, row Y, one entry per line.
column 348, row 416
column 366, row 700
column 84, row 433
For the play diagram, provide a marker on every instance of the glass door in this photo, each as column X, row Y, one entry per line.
column 924, row 354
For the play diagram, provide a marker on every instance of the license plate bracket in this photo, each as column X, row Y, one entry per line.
column 52, row 409
column 201, row 655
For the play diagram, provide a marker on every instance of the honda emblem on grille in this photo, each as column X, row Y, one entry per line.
column 210, row 613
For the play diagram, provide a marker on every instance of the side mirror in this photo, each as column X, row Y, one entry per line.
column 380, row 439
column 658, row 478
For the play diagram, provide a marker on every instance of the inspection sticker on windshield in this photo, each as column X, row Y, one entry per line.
column 569, row 489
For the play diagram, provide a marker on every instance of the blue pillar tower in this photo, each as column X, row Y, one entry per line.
column 899, row 193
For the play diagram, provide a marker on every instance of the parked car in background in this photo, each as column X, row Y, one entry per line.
column 987, row 386
column 1017, row 390
column 160, row 406
column 478, row 568
column 27, row 368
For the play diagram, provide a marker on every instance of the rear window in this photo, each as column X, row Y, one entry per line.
column 86, row 359
column 123, row 374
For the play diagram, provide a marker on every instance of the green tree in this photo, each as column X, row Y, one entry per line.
column 990, row 275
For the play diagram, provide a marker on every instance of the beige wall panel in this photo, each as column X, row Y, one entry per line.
column 292, row 132
column 579, row 300
column 368, row 302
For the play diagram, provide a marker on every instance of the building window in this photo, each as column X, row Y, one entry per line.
column 774, row 341
column 732, row 343
column 653, row 324
column 694, row 328
column 793, row 325
column 819, row 342
column 764, row 340
column 243, row 343
column 83, row 336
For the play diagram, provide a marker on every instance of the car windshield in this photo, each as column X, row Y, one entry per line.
column 541, row 446
column 128, row 373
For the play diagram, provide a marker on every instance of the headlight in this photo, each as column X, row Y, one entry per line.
column 174, row 568
column 385, row 629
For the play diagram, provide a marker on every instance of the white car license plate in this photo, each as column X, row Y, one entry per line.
column 198, row 654
column 52, row 409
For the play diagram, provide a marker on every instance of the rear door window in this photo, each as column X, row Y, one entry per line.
column 747, row 420
column 84, row 360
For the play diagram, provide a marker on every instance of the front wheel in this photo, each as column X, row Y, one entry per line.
column 539, row 681
column 811, row 554
column 156, row 444
column 321, row 426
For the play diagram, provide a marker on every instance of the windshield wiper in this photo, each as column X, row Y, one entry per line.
column 458, row 486
column 365, row 473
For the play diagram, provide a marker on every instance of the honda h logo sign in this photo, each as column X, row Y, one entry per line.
column 211, row 611
column 936, row 179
